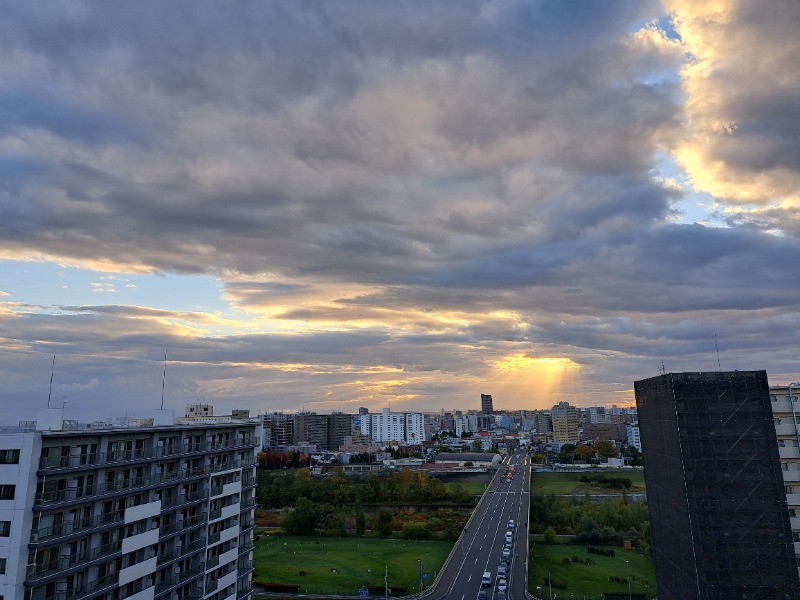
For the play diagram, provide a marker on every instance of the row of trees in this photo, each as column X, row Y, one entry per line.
column 601, row 449
column 308, row 518
column 279, row 489
column 610, row 521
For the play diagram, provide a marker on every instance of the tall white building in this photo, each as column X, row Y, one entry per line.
column 633, row 436
column 786, row 417
column 143, row 510
column 388, row 427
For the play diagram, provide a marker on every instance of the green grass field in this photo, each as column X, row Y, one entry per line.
column 568, row 483
column 343, row 565
column 473, row 488
column 589, row 581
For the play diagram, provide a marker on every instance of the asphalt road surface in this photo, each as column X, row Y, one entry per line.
column 480, row 547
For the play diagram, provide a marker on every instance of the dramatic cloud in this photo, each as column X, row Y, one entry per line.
column 407, row 202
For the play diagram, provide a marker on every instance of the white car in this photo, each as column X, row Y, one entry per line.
column 501, row 585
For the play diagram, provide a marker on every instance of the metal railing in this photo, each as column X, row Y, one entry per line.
column 91, row 459
column 78, row 526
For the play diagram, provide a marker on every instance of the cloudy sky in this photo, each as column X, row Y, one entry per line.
column 326, row 205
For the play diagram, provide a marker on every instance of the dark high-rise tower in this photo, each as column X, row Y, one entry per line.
column 487, row 407
column 718, row 514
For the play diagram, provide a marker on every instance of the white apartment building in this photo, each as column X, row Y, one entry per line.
column 142, row 510
column 388, row 427
column 633, row 436
column 786, row 416
column 598, row 414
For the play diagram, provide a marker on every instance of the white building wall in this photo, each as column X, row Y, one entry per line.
column 389, row 427
column 18, row 511
column 633, row 436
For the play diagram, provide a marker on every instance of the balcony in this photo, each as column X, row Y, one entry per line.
column 184, row 552
column 180, row 579
column 182, row 500
column 786, row 429
column 81, row 527
column 61, row 567
column 789, row 452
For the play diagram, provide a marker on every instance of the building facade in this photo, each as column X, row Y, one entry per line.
column 718, row 515
column 487, row 404
column 145, row 511
column 786, row 416
column 389, row 427
column 564, row 418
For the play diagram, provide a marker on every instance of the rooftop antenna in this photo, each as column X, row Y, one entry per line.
column 50, row 393
column 163, row 380
column 662, row 369
column 719, row 366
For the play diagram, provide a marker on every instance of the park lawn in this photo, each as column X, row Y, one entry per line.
column 569, row 482
column 592, row 580
column 476, row 489
column 344, row 565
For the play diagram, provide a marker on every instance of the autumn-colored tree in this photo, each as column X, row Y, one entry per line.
column 584, row 451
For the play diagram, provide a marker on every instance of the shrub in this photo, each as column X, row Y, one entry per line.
column 550, row 536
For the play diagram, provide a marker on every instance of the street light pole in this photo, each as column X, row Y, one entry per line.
column 628, row 570
column 420, row 577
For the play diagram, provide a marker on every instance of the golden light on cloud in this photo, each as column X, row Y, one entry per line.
column 522, row 362
column 520, row 381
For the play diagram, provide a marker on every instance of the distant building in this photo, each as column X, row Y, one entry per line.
column 605, row 431
column 633, row 436
column 311, row 429
column 597, row 414
column 199, row 410
column 340, row 425
column 542, row 421
column 487, row 405
column 397, row 428
column 278, row 430
column 718, row 515
column 565, row 423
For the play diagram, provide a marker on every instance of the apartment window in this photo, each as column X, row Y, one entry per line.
column 9, row 457
column 7, row 492
column 2, row 566
column 5, row 528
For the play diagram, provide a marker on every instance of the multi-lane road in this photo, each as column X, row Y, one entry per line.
column 480, row 548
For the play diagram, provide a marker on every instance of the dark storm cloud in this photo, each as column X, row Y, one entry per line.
column 420, row 186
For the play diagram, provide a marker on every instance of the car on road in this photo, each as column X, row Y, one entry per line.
column 511, row 524
column 482, row 595
column 506, row 554
column 486, row 580
column 501, row 571
column 501, row 585
column 500, row 595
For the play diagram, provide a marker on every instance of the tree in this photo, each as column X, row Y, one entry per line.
column 550, row 536
column 605, row 448
column 302, row 519
column 477, row 446
column 566, row 453
column 361, row 519
column 385, row 522
column 584, row 452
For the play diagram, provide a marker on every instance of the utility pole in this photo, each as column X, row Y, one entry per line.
column 386, row 582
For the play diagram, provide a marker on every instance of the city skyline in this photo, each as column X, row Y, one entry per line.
column 334, row 205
